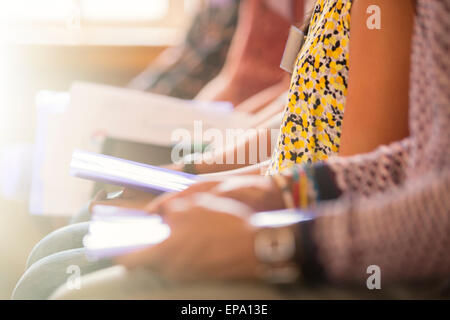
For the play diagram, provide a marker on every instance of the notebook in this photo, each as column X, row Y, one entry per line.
column 115, row 231
column 125, row 173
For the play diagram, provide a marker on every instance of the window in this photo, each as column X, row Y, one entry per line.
column 97, row 21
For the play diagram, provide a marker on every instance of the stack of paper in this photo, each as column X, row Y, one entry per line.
column 115, row 231
column 111, row 170
column 95, row 112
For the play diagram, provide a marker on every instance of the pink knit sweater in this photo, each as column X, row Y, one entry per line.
column 394, row 208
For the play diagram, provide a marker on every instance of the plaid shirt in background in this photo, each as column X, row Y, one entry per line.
column 200, row 58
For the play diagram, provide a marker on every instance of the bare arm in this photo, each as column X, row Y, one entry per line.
column 247, row 151
column 244, row 153
column 377, row 102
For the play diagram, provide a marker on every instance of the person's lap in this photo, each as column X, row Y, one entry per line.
column 50, row 261
column 60, row 255
column 50, row 272
column 117, row 283
column 66, row 238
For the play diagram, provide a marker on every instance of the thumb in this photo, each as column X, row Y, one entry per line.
column 156, row 206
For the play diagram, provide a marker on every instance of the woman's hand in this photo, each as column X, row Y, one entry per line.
column 210, row 240
column 258, row 192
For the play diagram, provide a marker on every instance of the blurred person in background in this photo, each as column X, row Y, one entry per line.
column 250, row 68
column 182, row 71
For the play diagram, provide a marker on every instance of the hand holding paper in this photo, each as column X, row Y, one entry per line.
column 114, row 231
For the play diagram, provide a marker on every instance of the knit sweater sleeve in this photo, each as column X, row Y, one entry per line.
column 390, row 230
column 393, row 209
column 363, row 175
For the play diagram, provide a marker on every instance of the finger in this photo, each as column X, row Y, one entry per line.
column 178, row 210
column 210, row 202
column 249, row 196
column 156, row 205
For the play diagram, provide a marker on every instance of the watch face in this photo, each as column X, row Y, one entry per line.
column 279, row 218
column 275, row 245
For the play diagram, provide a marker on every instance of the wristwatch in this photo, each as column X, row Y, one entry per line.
column 275, row 250
column 276, row 244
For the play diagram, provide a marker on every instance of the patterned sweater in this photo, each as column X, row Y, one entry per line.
column 393, row 209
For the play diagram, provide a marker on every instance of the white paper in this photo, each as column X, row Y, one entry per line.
column 99, row 111
column 115, row 231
